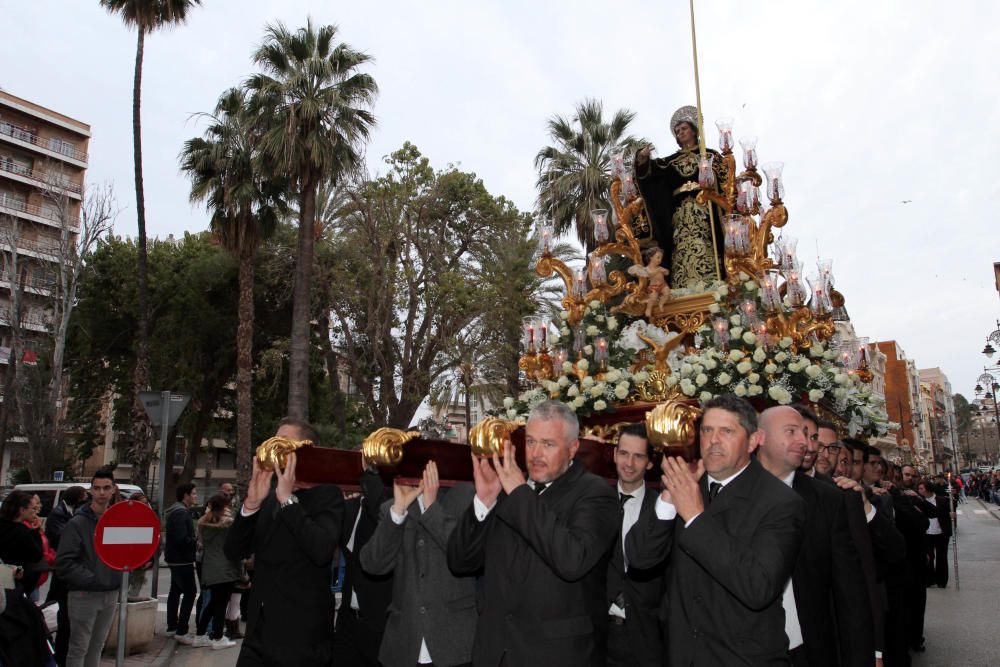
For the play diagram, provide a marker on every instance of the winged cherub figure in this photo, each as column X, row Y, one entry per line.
column 657, row 291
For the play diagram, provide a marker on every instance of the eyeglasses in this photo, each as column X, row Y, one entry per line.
column 829, row 449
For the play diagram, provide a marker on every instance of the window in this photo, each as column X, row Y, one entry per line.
column 62, row 146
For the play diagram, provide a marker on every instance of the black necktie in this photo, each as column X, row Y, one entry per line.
column 713, row 491
column 622, row 499
column 539, row 487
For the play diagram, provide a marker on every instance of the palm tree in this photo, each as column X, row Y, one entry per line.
column 574, row 174
column 314, row 110
column 224, row 174
column 147, row 16
column 477, row 377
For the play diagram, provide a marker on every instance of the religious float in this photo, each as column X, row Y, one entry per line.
column 705, row 300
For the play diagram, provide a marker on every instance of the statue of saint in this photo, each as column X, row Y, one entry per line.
column 681, row 226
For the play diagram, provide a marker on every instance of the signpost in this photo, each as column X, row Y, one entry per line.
column 163, row 409
column 127, row 536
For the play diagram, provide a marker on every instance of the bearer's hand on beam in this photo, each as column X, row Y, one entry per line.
column 487, row 482
column 683, row 486
column 260, row 485
column 286, row 479
column 510, row 475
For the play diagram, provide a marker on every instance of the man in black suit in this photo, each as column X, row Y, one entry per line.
column 542, row 544
column 634, row 595
column 364, row 597
column 828, row 616
column 293, row 536
column 939, row 532
column 913, row 515
column 731, row 538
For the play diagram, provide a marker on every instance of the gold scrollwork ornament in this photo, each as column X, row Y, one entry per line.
column 488, row 436
column 273, row 452
column 672, row 424
column 384, row 447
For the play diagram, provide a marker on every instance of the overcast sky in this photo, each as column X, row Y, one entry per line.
column 867, row 103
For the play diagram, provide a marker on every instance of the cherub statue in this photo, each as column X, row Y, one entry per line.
column 657, row 291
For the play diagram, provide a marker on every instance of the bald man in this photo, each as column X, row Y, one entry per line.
column 827, row 605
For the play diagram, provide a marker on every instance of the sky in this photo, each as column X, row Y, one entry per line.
column 868, row 104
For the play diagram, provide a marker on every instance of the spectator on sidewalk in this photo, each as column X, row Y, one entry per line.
column 72, row 499
column 218, row 573
column 92, row 585
column 182, row 543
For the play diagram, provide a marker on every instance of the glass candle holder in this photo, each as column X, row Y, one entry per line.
column 579, row 285
column 720, row 331
column 725, row 125
column 601, row 352
column 706, row 175
column 545, row 233
column 529, row 336
column 598, row 274
column 775, row 185
column 749, row 145
column 600, row 219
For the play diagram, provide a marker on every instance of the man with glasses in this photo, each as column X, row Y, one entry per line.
column 827, row 448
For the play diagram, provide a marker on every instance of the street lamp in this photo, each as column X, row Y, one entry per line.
column 994, row 337
column 988, row 383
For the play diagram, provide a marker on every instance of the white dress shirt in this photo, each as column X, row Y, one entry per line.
column 792, row 627
column 934, row 527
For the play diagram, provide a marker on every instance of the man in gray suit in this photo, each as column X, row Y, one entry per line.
column 432, row 618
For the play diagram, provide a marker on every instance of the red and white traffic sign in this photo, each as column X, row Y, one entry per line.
column 127, row 535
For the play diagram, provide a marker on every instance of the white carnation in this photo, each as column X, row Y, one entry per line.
column 687, row 387
column 563, row 381
column 736, row 332
column 759, row 355
column 705, row 396
column 592, row 331
column 724, row 378
column 785, row 342
column 770, row 369
column 621, row 392
column 600, row 405
column 750, row 338
column 735, row 319
column 740, row 390
column 744, row 367
column 736, row 355
column 573, row 391
column 780, row 357
column 813, row 371
column 597, row 390
column 815, row 395
column 701, row 379
column 578, row 402
column 612, row 324
column 753, row 378
column 755, row 390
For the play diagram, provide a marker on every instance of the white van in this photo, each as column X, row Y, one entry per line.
column 50, row 493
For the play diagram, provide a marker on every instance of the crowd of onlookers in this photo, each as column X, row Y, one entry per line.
column 985, row 486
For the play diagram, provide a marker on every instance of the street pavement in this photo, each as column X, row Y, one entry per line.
column 962, row 626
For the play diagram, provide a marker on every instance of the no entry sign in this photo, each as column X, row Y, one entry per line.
column 127, row 535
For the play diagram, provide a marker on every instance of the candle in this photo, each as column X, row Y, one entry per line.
column 725, row 126
column 543, row 330
column 775, row 188
column 600, row 219
column 749, row 145
column 545, row 238
column 706, row 177
column 601, row 351
column 598, row 275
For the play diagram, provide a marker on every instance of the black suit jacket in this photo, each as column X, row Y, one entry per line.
column 374, row 591
column 727, row 571
column 944, row 514
column 643, row 591
column 831, row 597
column 293, row 547
column 544, row 564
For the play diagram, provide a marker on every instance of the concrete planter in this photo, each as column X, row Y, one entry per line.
column 139, row 629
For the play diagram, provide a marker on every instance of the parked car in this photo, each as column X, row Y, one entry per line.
column 51, row 492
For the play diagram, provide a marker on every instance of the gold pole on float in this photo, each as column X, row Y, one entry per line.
column 701, row 136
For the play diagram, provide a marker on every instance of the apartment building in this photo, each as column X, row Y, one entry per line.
column 43, row 162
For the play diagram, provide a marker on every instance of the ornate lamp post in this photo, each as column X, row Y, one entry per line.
column 994, row 337
column 987, row 382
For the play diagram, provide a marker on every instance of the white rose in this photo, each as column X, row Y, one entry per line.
column 640, row 377
column 686, row 369
column 816, row 351
column 755, row 390
column 592, row 331
column 701, row 379
column 780, row 357
column 588, row 349
column 567, row 367
column 563, row 381
column 736, row 332
column 583, row 364
column 573, row 391
column 600, row 405
column 735, row 319
column 711, row 364
column 724, row 378
column 612, row 324
column 839, row 393
column 736, row 355
column 687, row 387
column 588, row 381
column 815, row 395
column 753, row 378
column 508, row 402
column 744, row 367
column 770, row 369
column 564, row 331
column 782, row 396
column 564, row 314
column 743, row 276
column 785, row 342
column 749, row 338
column 621, row 392
column 830, row 355
column 813, row 371
column 841, row 378
column 613, row 375
column 671, row 380
column 740, row 390
column 597, row 390
column 750, row 286
column 595, row 304
column 705, row 396
column 578, row 402
column 759, row 355
column 793, row 366
column 714, row 308
column 512, row 413
column 600, row 318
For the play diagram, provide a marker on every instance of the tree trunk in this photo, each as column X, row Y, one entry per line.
column 140, row 428
column 298, row 364
column 339, row 407
column 5, row 407
column 244, row 366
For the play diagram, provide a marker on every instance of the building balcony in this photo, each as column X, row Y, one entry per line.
column 34, row 284
column 33, row 321
column 46, row 180
column 40, row 249
column 55, row 148
column 34, row 213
